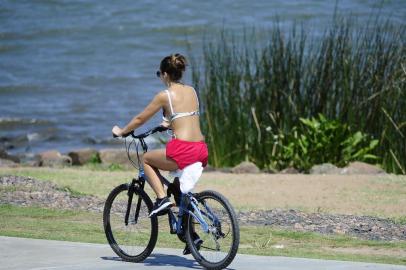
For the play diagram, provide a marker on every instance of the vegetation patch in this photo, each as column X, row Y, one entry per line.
column 258, row 86
column 83, row 226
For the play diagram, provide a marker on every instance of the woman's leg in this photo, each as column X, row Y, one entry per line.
column 154, row 160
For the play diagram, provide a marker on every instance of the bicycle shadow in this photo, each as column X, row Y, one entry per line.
column 158, row 259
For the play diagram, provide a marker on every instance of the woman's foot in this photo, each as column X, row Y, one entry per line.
column 160, row 207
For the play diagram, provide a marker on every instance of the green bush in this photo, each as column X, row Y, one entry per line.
column 319, row 140
column 115, row 167
column 94, row 159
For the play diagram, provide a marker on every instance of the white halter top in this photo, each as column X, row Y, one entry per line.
column 177, row 115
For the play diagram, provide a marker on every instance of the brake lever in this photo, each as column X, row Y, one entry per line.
column 124, row 135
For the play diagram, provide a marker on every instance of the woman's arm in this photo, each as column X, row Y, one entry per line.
column 153, row 107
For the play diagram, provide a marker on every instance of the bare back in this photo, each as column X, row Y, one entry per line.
column 184, row 99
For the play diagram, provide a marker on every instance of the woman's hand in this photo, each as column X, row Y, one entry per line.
column 117, row 131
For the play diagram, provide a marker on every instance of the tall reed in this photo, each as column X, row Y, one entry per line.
column 254, row 89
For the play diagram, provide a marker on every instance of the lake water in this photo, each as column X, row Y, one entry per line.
column 70, row 70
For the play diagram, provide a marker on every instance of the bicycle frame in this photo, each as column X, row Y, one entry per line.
column 175, row 223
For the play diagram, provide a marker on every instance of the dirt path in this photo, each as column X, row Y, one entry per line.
column 376, row 195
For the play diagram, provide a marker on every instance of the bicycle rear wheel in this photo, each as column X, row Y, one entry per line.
column 133, row 241
column 221, row 243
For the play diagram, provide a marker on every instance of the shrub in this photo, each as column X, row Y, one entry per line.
column 319, row 140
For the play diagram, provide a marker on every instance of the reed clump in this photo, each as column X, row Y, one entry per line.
column 253, row 89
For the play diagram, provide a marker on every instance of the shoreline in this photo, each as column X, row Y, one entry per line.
column 117, row 158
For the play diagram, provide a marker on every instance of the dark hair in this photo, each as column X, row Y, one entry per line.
column 174, row 65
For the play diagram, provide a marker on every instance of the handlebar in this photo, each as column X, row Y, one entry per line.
column 145, row 134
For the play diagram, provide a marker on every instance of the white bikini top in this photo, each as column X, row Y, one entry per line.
column 174, row 115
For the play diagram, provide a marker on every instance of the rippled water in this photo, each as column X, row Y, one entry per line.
column 69, row 70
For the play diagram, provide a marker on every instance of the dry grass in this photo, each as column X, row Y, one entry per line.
column 344, row 194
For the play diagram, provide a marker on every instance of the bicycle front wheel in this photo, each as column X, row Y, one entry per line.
column 135, row 240
column 218, row 246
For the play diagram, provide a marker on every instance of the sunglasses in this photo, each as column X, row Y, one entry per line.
column 158, row 74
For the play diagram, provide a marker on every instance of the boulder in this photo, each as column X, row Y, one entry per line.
column 116, row 156
column 53, row 158
column 82, row 156
column 325, row 168
column 362, row 168
column 5, row 155
column 245, row 167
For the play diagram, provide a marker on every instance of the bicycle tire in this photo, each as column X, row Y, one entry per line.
column 233, row 227
column 111, row 217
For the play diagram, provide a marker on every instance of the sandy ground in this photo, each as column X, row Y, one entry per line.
column 382, row 195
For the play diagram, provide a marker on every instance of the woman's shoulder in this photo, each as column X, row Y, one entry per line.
column 161, row 92
column 161, row 95
column 188, row 87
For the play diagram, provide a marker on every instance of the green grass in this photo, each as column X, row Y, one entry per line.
column 80, row 226
column 79, row 180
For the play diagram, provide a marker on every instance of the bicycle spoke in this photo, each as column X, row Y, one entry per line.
column 135, row 240
column 219, row 242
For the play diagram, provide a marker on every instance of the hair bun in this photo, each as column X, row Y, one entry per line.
column 174, row 65
column 178, row 61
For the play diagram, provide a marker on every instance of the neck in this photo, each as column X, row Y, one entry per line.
column 170, row 84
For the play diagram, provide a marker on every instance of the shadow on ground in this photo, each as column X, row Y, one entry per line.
column 158, row 259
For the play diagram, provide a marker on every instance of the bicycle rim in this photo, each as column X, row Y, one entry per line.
column 136, row 240
column 220, row 244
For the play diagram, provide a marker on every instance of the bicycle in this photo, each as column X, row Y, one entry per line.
column 132, row 234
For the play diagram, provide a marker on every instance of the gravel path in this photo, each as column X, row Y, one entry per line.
column 27, row 191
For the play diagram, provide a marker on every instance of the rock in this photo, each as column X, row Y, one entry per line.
column 116, row 156
column 298, row 227
column 82, row 156
column 7, row 163
column 289, row 170
column 53, row 158
column 325, row 168
column 339, row 231
column 5, row 155
column 361, row 168
column 245, row 167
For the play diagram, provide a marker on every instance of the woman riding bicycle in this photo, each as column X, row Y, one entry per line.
column 180, row 106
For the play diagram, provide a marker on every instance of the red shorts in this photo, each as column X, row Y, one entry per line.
column 185, row 153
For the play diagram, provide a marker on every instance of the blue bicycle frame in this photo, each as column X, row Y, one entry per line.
column 175, row 223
